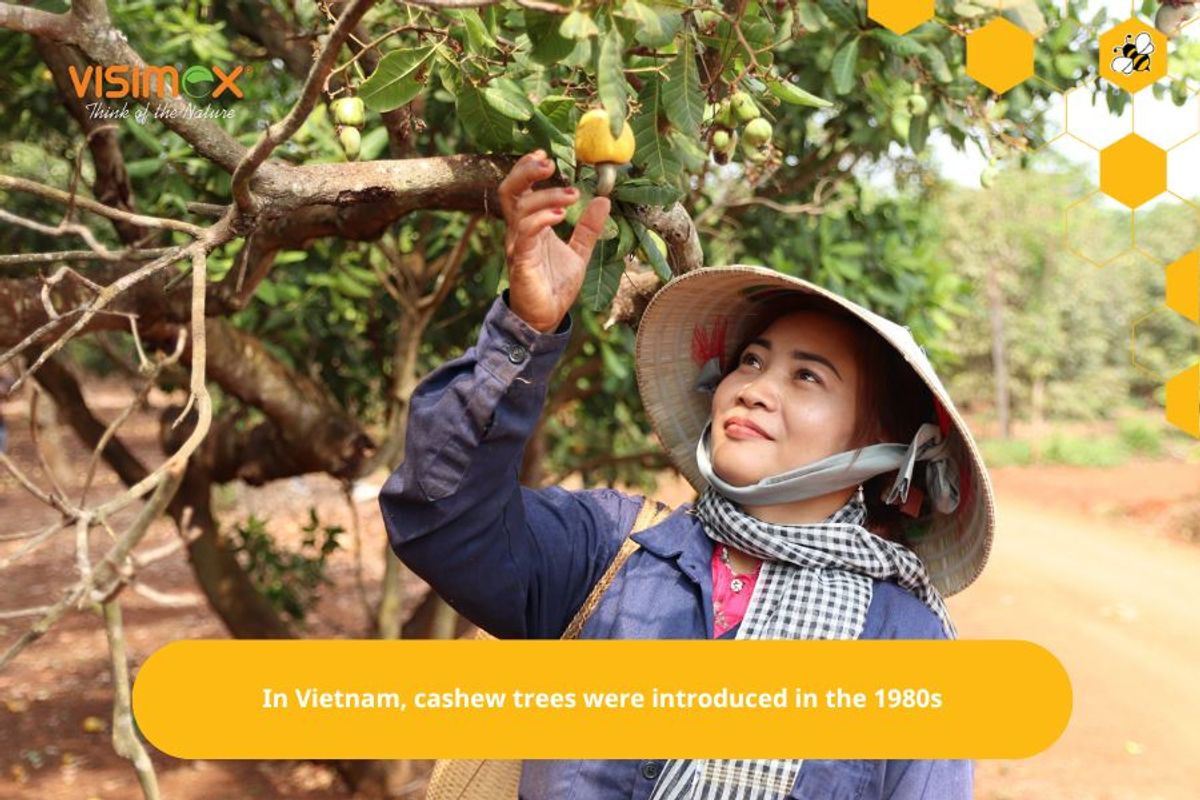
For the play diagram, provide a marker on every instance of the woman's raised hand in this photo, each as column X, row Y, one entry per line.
column 544, row 272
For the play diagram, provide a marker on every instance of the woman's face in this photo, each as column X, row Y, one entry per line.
column 798, row 383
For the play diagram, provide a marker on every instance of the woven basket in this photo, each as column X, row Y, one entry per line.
column 491, row 779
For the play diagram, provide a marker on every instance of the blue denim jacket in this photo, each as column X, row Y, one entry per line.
column 519, row 562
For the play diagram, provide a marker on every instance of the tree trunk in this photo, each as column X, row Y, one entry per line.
column 245, row 612
column 404, row 361
column 999, row 356
column 1037, row 404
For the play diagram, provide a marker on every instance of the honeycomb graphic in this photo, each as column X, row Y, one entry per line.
column 1133, row 171
column 1183, row 286
column 1000, row 55
column 1183, row 400
column 1133, row 55
column 900, row 16
column 1132, row 162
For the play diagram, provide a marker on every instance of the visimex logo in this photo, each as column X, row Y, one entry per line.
column 119, row 80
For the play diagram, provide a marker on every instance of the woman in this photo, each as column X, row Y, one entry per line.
column 799, row 420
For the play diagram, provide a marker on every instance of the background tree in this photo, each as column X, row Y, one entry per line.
column 309, row 294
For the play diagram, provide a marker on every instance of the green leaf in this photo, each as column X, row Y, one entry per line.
column 689, row 151
column 1027, row 15
column 918, row 133
column 901, row 120
column 603, row 276
column 478, row 38
column 556, row 142
column 843, row 69
column 140, row 132
column 647, row 19
column 610, row 79
column 969, row 10
column 937, row 63
column 642, row 192
column 489, row 128
column 683, row 99
column 900, row 45
column 392, row 84
column 374, row 142
column 789, row 92
column 626, row 238
column 652, row 151
column 840, row 12
column 670, row 23
column 506, row 96
column 578, row 25
column 560, row 109
column 144, row 167
column 450, row 76
column 549, row 46
column 654, row 253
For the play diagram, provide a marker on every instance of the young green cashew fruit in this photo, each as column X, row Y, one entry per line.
column 757, row 132
column 724, row 116
column 917, row 104
column 351, row 141
column 349, row 111
column 744, row 107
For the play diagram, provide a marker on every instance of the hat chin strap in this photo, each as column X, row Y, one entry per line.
column 849, row 468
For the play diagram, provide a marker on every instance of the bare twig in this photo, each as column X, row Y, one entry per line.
column 360, row 583
column 130, row 254
column 51, row 500
column 82, row 231
column 535, row 5
column 85, row 313
column 124, row 737
column 87, row 204
column 43, row 462
column 281, row 131
column 107, row 568
column 24, row 612
column 38, row 539
column 168, row 599
column 449, row 270
column 39, row 23
column 111, row 430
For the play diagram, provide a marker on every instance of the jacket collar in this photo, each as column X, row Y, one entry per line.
column 681, row 535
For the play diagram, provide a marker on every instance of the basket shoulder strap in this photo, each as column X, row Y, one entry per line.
column 649, row 514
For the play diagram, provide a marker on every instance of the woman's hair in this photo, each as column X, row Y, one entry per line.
column 892, row 401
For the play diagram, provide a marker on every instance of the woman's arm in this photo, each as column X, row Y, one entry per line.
column 517, row 562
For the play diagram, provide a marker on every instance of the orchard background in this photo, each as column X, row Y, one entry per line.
column 214, row 310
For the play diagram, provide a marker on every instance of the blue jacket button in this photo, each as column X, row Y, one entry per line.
column 650, row 770
column 517, row 354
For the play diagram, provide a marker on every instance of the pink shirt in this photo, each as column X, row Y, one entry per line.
column 729, row 606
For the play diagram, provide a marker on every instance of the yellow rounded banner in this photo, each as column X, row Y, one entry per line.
column 510, row 699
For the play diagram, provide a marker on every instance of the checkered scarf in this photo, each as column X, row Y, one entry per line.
column 815, row 582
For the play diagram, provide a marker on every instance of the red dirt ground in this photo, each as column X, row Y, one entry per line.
column 1085, row 563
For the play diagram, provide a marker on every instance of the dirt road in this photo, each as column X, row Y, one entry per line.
column 1120, row 607
column 1116, row 601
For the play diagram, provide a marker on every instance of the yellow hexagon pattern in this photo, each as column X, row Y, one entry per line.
column 1183, row 400
column 1183, row 286
column 1133, row 171
column 1000, row 55
column 1133, row 55
column 900, row 16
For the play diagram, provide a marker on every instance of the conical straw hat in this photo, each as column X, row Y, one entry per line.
column 954, row 547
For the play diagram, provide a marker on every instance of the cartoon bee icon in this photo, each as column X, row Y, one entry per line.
column 1135, row 54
